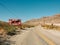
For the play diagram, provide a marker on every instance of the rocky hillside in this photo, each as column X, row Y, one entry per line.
column 49, row 19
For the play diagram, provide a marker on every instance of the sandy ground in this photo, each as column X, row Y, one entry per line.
column 20, row 37
column 30, row 37
column 52, row 34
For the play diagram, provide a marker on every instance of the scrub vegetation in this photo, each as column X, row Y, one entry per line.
column 51, row 26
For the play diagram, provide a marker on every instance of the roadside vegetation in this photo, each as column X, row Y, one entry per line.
column 27, row 26
column 11, row 29
column 7, row 28
column 51, row 27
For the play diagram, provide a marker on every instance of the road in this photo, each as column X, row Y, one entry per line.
column 35, row 36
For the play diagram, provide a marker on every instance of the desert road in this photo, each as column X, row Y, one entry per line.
column 36, row 36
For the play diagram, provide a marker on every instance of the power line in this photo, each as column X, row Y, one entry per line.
column 9, row 10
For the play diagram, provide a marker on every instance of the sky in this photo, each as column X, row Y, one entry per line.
column 28, row 9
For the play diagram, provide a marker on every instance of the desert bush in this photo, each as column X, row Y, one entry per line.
column 8, row 28
column 26, row 26
column 51, row 26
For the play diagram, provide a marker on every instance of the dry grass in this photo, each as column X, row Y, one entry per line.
column 51, row 27
column 27, row 26
column 7, row 27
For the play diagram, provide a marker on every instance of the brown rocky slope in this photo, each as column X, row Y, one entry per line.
column 48, row 19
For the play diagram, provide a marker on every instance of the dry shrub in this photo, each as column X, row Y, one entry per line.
column 51, row 26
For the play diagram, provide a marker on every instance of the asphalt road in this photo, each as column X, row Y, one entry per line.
column 33, row 39
column 34, row 36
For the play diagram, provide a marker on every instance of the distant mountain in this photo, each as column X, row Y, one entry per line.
column 48, row 19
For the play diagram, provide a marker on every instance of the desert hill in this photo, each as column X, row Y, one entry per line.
column 48, row 19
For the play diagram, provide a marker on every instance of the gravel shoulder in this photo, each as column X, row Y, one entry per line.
column 19, row 37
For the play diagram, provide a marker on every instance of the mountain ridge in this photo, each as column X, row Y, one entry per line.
column 47, row 19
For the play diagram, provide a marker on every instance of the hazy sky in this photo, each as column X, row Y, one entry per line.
column 28, row 9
